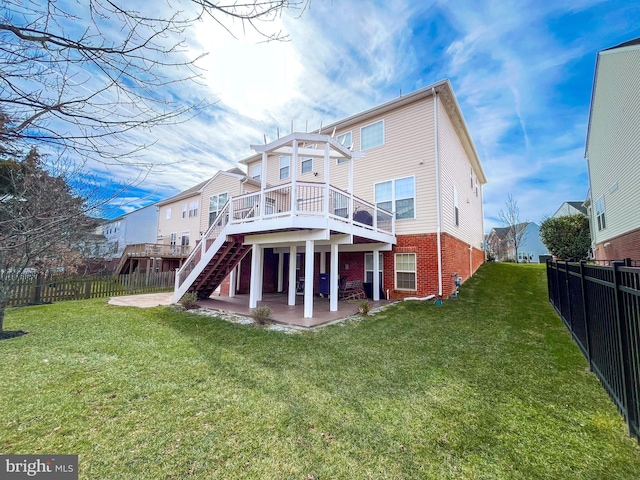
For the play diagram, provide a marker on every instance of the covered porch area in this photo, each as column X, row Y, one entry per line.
column 285, row 314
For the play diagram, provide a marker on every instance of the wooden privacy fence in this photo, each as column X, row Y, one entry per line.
column 600, row 305
column 45, row 288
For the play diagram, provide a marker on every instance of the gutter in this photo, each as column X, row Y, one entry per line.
column 438, row 209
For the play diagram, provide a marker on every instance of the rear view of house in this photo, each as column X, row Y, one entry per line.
column 390, row 198
column 613, row 153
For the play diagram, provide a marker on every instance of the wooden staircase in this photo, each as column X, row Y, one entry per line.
column 229, row 254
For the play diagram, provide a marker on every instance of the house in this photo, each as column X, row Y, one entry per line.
column 530, row 250
column 137, row 226
column 613, row 153
column 570, row 208
column 185, row 217
column 390, row 197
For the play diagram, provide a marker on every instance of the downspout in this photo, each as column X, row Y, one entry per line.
column 438, row 212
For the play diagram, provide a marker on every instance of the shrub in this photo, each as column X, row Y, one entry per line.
column 262, row 315
column 189, row 301
column 364, row 307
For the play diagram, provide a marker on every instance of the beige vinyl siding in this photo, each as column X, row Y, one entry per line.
column 177, row 224
column 409, row 140
column 220, row 183
column 613, row 148
column 455, row 172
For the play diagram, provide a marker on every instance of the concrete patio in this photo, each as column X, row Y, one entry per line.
column 288, row 315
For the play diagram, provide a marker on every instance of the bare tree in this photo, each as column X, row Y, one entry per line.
column 42, row 218
column 516, row 231
column 78, row 81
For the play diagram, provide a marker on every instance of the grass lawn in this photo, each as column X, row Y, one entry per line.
column 489, row 385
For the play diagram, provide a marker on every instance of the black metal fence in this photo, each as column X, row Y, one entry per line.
column 48, row 288
column 600, row 305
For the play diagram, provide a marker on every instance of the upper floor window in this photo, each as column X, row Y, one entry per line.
column 602, row 224
column 471, row 178
column 193, row 209
column 285, row 162
column 398, row 195
column 184, row 211
column 345, row 140
column 216, row 203
column 256, row 171
column 168, row 215
column 306, row 165
column 372, row 135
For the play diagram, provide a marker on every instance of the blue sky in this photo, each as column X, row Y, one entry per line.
column 522, row 72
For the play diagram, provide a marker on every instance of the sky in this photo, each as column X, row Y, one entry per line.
column 522, row 73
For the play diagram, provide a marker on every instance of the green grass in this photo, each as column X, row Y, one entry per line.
column 489, row 385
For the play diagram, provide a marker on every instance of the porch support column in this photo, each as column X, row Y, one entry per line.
column 263, row 183
column 323, row 262
column 280, row 271
column 325, row 206
column 292, row 275
column 376, row 275
column 260, row 271
column 308, row 279
column 256, row 272
column 294, row 177
column 232, row 282
column 333, row 279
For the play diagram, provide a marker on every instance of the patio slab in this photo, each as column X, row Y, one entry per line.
column 286, row 314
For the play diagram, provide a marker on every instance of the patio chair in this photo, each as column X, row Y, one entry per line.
column 350, row 290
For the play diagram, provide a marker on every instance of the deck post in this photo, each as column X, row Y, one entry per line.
column 280, row 271
column 294, row 177
column 232, row 282
column 325, row 203
column 308, row 278
column 260, row 272
column 292, row 275
column 376, row 275
column 255, row 273
column 333, row 279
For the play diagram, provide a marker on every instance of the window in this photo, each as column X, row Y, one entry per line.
column 256, row 171
column 216, row 203
column 471, row 178
column 368, row 268
column 398, row 195
column 405, row 271
column 168, row 216
column 174, row 239
column 476, row 183
column 602, row 224
column 184, row 211
column 456, row 215
column 306, row 165
column 193, row 209
column 372, row 135
column 345, row 140
column 185, row 239
column 285, row 162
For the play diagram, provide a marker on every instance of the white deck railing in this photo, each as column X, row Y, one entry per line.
column 310, row 199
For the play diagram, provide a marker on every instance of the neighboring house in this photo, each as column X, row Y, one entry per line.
column 570, row 208
column 391, row 197
column 613, row 153
column 530, row 250
column 138, row 226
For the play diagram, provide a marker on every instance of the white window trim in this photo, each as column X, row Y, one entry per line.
column 173, row 239
column 601, row 216
column 310, row 159
column 396, row 271
column 218, row 196
column 456, row 210
column 288, row 165
column 257, row 167
column 344, row 160
column 394, row 199
column 187, row 234
column 168, row 214
column 383, row 135
column 381, row 257
column 185, row 209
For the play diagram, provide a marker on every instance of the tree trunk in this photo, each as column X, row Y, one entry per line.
column 3, row 306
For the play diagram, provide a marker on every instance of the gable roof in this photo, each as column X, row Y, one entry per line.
column 578, row 206
column 443, row 89
column 629, row 43
column 189, row 192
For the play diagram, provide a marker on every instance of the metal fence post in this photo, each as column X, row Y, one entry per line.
column 623, row 346
column 585, row 316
